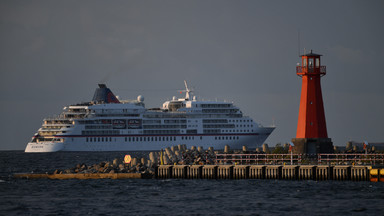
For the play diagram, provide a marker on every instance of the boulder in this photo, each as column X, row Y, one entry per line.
column 116, row 162
column 107, row 165
column 200, row 149
column 68, row 171
column 153, row 158
column 211, row 149
column 348, row 146
column 134, row 162
column 180, row 147
column 266, row 148
column 245, row 149
column 226, row 149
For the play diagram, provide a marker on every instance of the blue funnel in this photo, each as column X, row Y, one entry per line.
column 104, row 95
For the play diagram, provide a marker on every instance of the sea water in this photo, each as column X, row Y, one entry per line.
column 171, row 196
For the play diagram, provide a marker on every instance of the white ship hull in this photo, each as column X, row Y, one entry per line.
column 252, row 141
column 44, row 147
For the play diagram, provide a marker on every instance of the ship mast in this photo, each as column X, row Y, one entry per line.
column 187, row 90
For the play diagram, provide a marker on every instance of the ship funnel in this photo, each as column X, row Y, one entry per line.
column 104, row 95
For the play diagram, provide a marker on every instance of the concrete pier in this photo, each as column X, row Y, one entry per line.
column 241, row 172
column 273, row 172
column 290, row 172
column 341, row 173
column 359, row 173
column 82, row 176
column 307, row 172
column 164, row 171
column 195, row 172
column 257, row 171
column 209, row 172
column 225, row 172
column 323, row 172
column 179, row 171
column 287, row 172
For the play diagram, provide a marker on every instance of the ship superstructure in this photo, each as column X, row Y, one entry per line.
column 108, row 124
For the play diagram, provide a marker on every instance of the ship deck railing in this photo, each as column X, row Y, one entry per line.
column 259, row 159
column 301, row 159
column 369, row 158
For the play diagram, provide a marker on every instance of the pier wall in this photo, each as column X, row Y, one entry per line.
column 289, row 172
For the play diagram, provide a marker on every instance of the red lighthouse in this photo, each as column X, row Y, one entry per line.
column 311, row 134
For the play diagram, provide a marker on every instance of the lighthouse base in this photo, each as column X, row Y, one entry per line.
column 312, row 146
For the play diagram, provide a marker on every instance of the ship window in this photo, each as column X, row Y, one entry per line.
column 182, row 138
column 129, row 139
column 110, row 139
column 87, row 139
column 174, row 138
column 141, row 139
column 151, row 138
column 201, row 137
column 137, row 139
column 98, row 139
column 215, row 138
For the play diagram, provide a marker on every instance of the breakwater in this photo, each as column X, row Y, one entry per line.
column 197, row 163
column 288, row 172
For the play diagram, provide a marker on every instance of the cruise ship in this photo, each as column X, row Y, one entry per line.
column 109, row 124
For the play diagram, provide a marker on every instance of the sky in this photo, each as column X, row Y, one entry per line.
column 54, row 53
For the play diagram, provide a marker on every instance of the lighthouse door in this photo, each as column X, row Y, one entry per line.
column 311, row 148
